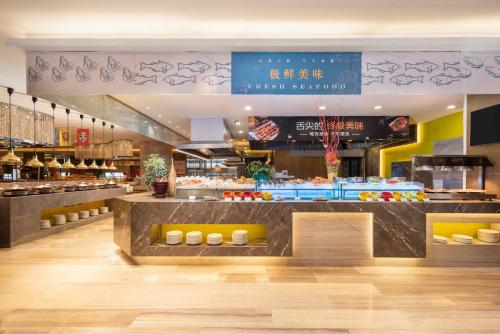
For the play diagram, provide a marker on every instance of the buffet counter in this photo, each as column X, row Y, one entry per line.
column 20, row 218
column 316, row 232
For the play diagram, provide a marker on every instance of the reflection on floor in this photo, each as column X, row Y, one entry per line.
column 76, row 282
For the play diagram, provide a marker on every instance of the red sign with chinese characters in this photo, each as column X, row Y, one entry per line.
column 82, row 137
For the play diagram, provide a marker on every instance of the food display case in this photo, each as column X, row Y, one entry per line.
column 355, row 190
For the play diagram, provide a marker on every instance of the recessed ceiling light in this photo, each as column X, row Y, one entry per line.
column 240, row 132
column 147, row 108
column 237, row 123
column 451, row 106
column 377, row 107
column 248, row 108
column 245, row 148
column 177, row 126
column 73, row 106
column 322, row 108
column 159, row 115
column 145, row 121
column 169, row 122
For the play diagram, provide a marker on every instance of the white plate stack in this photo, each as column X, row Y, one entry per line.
column 488, row 235
column 45, row 224
column 174, row 237
column 214, row 239
column 193, row 238
column 59, row 219
column 72, row 216
column 83, row 214
column 94, row 212
column 240, row 237
column 439, row 239
column 103, row 209
column 463, row 239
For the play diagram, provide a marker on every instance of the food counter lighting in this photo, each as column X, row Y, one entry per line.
column 10, row 158
column 54, row 164
column 34, row 162
column 191, row 154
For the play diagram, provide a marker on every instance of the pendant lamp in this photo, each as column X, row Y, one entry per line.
column 53, row 163
column 103, row 166
column 67, row 164
column 34, row 162
column 10, row 158
column 93, row 165
column 112, row 166
column 82, row 164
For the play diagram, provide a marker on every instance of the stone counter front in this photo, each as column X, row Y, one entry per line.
column 20, row 216
column 398, row 229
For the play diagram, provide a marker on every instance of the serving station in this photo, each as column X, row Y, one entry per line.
column 348, row 232
column 22, row 215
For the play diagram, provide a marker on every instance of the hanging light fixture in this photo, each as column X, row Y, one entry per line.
column 34, row 162
column 112, row 166
column 93, row 165
column 67, row 164
column 10, row 158
column 103, row 165
column 53, row 163
column 82, row 164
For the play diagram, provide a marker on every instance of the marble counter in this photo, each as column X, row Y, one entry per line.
column 398, row 229
column 20, row 216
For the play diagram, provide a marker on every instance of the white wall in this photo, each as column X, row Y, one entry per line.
column 12, row 66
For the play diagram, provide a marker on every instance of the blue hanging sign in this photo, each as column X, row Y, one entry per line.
column 296, row 73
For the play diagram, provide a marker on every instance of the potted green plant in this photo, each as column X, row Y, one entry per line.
column 156, row 174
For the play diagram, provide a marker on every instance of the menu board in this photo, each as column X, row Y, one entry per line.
column 308, row 128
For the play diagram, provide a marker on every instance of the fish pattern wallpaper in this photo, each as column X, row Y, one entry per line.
column 451, row 72
column 128, row 73
column 419, row 73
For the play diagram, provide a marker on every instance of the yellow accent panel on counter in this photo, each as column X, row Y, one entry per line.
column 255, row 231
column 443, row 128
column 448, row 229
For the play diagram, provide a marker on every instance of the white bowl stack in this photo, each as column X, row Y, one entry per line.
column 59, row 219
column 193, row 238
column 72, row 216
column 174, row 237
column 439, row 239
column 45, row 224
column 240, row 237
column 83, row 214
column 103, row 209
column 488, row 235
column 94, row 212
column 463, row 239
column 214, row 239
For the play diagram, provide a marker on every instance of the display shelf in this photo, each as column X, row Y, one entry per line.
column 225, row 244
column 475, row 242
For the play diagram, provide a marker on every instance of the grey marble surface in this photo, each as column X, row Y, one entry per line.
column 20, row 218
column 398, row 228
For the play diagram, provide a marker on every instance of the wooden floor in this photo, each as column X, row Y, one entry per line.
column 76, row 282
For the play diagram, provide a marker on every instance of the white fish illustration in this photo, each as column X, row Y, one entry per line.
column 33, row 75
column 455, row 70
column 443, row 79
column 157, row 66
column 175, row 79
column 385, row 66
column 113, row 64
column 65, row 64
column 214, row 80
column 57, row 75
column 194, row 66
column 497, row 59
column 223, row 66
column 473, row 62
column 405, row 80
column 142, row 79
column 105, row 76
column 493, row 71
column 369, row 79
column 422, row 66
column 81, row 75
column 41, row 64
column 128, row 76
column 89, row 64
